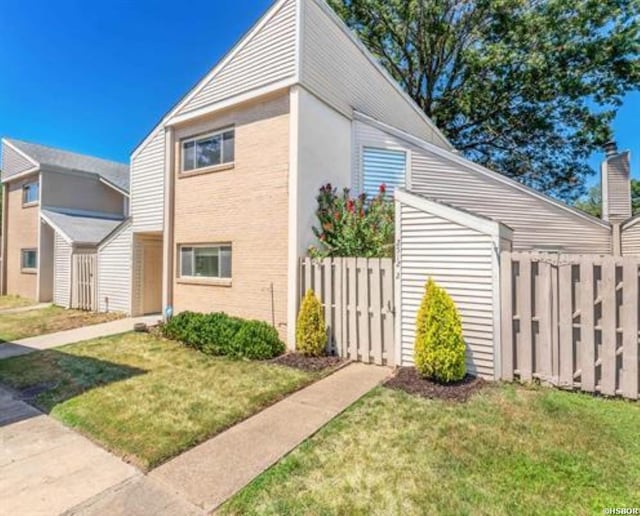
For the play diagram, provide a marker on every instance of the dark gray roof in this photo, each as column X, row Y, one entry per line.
column 111, row 171
column 83, row 229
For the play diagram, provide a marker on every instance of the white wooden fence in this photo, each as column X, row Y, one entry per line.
column 357, row 296
column 571, row 321
column 83, row 282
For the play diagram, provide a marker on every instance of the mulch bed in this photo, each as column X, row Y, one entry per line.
column 310, row 364
column 407, row 379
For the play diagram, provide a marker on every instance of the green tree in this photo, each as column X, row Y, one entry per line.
column 591, row 203
column 526, row 87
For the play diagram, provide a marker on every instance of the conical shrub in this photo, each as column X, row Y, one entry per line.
column 439, row 350
column 311, row 332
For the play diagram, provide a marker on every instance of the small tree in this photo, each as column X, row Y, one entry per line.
column 439, row 346
column 311, row 333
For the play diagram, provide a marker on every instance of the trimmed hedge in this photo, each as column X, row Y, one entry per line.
column 439, row 345
column 222, row 335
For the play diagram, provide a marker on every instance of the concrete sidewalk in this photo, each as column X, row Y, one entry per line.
column 210, row 473
column 53, row 340
column 27, row 308
column 46, row 468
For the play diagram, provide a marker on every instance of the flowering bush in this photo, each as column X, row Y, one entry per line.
column 351, row 226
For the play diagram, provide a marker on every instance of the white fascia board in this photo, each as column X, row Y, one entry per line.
column 456, row 158
column 480, row 224
column 19, row 151
column 630, row 222
column 119, row 229
column 113, row 186
column 56, row 228
column 216, row 69
column 365, row 51
column 21, row 175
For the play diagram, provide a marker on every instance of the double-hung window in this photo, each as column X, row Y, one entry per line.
column 29, row 259
column 210, row 150
column 30, row 193
column 205, row 261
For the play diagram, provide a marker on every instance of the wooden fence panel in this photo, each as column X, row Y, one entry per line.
column 572, row 321
column 83, row 282
column 357, row 296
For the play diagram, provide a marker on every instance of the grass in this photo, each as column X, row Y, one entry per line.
column 145, row 398
column 10, row 301
column 509, row 450
column 15, row 326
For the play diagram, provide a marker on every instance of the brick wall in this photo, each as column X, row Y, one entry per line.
column 247, row 206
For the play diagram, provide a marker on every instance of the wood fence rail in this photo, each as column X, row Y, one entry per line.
column 358, row 301
column 571, row 321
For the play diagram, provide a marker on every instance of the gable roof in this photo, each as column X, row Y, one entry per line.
column 81, row 229
column 114, row 173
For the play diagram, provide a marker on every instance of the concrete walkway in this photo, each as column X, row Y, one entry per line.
column 210, row 473
column 53, row 340
column 27, row 308
column 46, row 468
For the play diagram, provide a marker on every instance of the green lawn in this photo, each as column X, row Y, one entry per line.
column 509, row 450
column 147, row 398
column 15, row 326
column 10, row 301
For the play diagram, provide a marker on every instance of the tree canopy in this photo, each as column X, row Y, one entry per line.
column 592, row 201
column 526, row 87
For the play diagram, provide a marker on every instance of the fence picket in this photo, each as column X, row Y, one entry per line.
column 543, row 312
column 608, row 363
column 630, row 341
column 565, row 323
column 388, row 311
column 353, row 308
column 376, row 312
column 587, row 340
column 525, row 343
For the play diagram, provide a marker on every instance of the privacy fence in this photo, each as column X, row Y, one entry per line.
column 571, row 321
column 357, row 297
column 83, row 282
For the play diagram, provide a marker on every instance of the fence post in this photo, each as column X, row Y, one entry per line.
column 608, row 365
column 525, row 350
column 506, row 313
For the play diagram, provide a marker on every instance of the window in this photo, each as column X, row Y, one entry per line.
column 208, row 151
column 30, row 193
column 382, row 166
column 205, row 261
column 29, row 259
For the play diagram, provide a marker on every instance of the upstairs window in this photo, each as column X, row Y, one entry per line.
column 29, row 259
column 382, row 166
column 208, row 151
column 205, row 261
column 31, row 193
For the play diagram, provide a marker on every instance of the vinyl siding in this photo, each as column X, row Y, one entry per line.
column 336, row 69
column 268, row 57
column 13, row 162
column 147, row 185
column 537, row 223
column 114, row 272
column 631, row 239
column 61, row 272
column 616, row 188
column 459, row 259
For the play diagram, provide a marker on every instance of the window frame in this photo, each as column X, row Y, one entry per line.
column 25, row 189
column 22, row 259
column 223, row 165
column 224, row 280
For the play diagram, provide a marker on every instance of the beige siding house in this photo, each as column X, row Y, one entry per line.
column 57, row 204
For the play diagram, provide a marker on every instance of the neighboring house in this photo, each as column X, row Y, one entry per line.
column 223, row 188
column 57, row 206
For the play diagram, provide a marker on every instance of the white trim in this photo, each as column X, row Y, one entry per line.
column 21, row 175
column 405, row 96
column 116, row 232
column 57, row 229
column 448, row 155
column 232, row 101
column 294, row 158
column 497, row 308
column 486, row 226
column 631, row 222
column 167, row 227
column 39, row 237
column 299, row 40
column 266, row 17
column 113, row 186
column 21, row 152
column 83, row 213
column 398, row 283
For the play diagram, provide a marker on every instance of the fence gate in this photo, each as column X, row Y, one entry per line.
column 572, row 321
column 357, row 296
column 83, row 282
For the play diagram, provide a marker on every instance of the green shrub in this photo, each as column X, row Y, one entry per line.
column 439, row 346
column 220, row 334
column 311, row 333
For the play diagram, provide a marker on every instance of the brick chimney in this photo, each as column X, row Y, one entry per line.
column 616, row 185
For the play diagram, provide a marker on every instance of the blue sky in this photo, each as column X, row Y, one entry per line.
column 97, row 80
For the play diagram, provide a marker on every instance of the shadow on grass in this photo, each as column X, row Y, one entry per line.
column 46, row 378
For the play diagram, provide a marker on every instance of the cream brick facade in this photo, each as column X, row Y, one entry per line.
column 246, row 206
column 22, row 233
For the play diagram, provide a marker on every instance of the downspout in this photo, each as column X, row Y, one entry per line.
column 5, row 224
column 167, row 237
